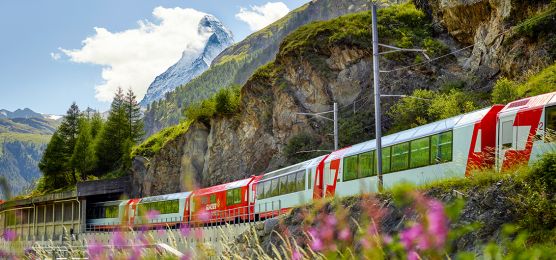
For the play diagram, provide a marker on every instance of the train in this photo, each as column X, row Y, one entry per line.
column 497, row 137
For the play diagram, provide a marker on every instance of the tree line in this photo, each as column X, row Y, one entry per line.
column 86, row 146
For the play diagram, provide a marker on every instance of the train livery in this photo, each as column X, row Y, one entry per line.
column 498, row 137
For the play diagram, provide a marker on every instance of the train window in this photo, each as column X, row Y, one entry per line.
column 260, row 190
column 229, row 197
column 267, row 189
column 550, row 124
column 310, row 179
column 111, row 212
column 386, row 155
column 365, row 165
column 400, row 157
column 350, row 168
column 292, row 182
column 420, row 150
column 274, row 189
column 284, row 189
column 507, row 134
column 300, row 180
column 237, row 195
column 441, row 147
column 213, row 198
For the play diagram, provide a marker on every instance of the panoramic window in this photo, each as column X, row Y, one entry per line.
column 300, row 180
column 420, row 152
column 350, row 168
column 400, row 157
column 550, row 124
column 365, row 165
column 441, row 147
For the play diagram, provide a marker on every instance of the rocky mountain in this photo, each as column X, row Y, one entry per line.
column 238, row 62
column 24, row 135
column 330, row 61
column 191, row 65
column 20, row 113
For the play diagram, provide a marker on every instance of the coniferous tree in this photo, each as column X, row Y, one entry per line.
column 133, row 113
column 96, row 125
column 53, row 163
column 84, row 158
column 113, row 135
column 69, row 130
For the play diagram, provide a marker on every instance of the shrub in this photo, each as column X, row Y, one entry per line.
column 435, row 48
column 301, row 147
column 227, row 100
column 504, row 91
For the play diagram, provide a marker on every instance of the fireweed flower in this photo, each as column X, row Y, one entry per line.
column 344, row 234
column 9, row 235
column 118, row 240
column 95, row 250
column 431, row 233
column 152, row 214
column 185, row 230
column 296, row 255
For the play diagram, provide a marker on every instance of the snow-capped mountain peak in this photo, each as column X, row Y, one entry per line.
column 192, row 63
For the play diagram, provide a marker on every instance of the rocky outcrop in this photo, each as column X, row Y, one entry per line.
column 175, row 168
column 490, row 25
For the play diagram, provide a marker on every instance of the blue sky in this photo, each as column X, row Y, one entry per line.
column 33, row 31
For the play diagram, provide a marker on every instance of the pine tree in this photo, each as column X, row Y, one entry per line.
column 96, row 125
column 84, row 158
column 113, row 135
column 69, row 130
column 134, row 120
column 53, row 163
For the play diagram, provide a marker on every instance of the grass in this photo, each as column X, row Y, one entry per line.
column 155, row 142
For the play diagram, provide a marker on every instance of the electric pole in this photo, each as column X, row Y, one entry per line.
column 376, row 79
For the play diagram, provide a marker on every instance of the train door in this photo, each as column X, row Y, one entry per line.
column 506, row 138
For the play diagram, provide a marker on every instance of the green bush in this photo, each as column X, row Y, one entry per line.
column 542, row 82
column 435, row 48
column 426, row 106
column 227, row 100
column 301, row 147
column 155, row 142
column 504, row 91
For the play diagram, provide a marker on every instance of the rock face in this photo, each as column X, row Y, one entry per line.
column 488, row 25
column 191, row 65
column 175, row 168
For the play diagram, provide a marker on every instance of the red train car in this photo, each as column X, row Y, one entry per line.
column 224, row 203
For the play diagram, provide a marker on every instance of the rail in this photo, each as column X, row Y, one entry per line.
column 239, row 215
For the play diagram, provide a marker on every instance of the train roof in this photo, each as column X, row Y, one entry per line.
column 173, row 196
column 224, row 187
column 109, row 203
column 418, row 132
column 529, row 103
column 293, row 168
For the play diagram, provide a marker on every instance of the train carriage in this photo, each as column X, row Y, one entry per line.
column 224, row 203
column 526, row 129
column 170, row 208
column 448, row 148
column 285, row 188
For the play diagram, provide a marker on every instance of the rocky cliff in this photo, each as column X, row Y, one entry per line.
column 328, row 62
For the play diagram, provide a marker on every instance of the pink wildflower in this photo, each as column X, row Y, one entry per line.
column 365, row 243
column 437, row 223
column 185, row 230
column 152, row 214
column 412, row 255
column 9, row 235
column 317, row 244
column 95, row 250
column 411, row 236
column 204, row 216
column 296, row 255
column 118, row 240
column 344, row 234
column 331, row 220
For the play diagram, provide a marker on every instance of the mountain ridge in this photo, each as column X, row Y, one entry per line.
column 189, row 66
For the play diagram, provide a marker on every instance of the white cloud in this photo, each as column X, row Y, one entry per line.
column 55, row 55
column 134, row 57
column 258, row 17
